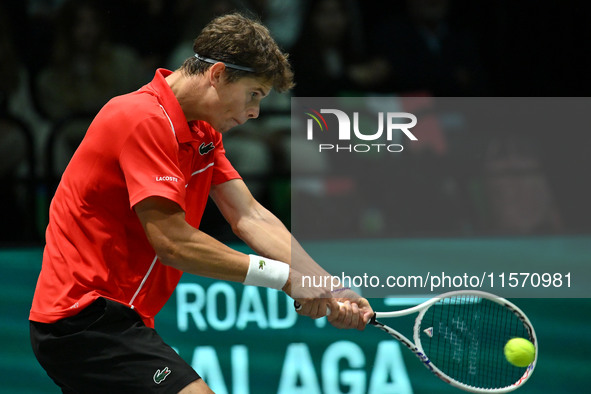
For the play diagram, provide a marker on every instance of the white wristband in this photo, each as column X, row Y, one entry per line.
column 266, row 272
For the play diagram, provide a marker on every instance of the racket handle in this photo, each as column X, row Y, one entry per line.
column 373, row 320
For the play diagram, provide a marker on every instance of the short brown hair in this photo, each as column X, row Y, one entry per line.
column 240, row 40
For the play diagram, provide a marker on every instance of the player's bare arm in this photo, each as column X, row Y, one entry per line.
column 266, row 235
column 186, row 248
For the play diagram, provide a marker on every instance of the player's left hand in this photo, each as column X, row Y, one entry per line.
column 351, row 314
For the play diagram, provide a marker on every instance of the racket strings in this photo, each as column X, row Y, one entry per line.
column 464, row 337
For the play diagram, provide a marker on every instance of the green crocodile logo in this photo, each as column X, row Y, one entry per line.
column 159, row 376
column 261, row 264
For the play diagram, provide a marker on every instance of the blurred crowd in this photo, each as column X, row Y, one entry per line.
column 61, row 60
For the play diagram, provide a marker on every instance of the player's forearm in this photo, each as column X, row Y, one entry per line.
column 197, row 253
column 203, row 255
column 267, row 236
column 264, row 233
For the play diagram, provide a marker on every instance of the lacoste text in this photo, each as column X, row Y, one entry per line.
column 167, row 179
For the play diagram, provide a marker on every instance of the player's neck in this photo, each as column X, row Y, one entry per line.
column 191, row 92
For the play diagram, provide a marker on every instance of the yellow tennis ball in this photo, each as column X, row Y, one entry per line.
column 520, row 352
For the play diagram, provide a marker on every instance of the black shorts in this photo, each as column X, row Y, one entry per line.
column 107, row 348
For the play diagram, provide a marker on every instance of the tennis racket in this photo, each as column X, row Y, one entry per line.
column 459, row 336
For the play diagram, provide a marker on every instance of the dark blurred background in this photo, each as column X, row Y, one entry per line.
column 62, row 60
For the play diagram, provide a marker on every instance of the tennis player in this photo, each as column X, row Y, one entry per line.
column 124, row 220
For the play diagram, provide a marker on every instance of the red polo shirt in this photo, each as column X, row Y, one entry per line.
column 139, row 145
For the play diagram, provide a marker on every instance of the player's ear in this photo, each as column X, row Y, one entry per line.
column 217, row 73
